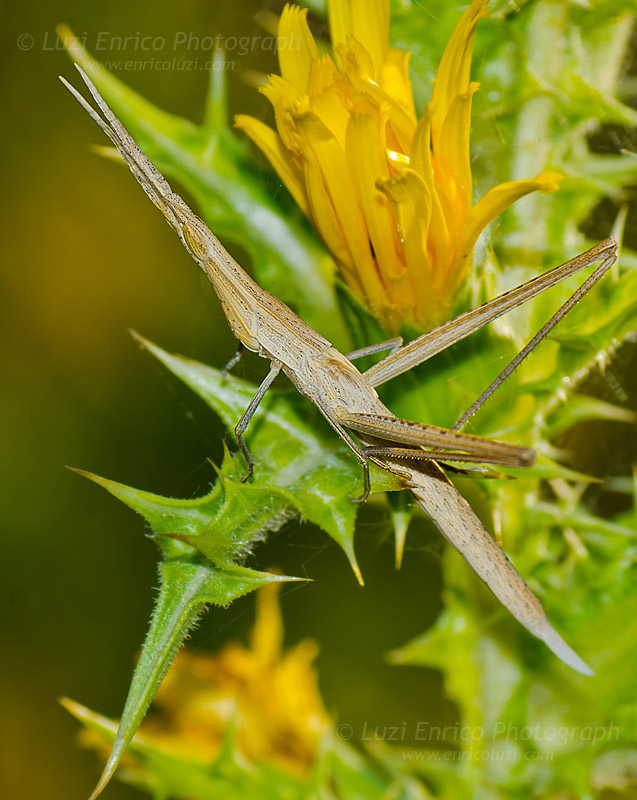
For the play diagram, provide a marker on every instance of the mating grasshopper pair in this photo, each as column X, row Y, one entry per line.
column 347, row 398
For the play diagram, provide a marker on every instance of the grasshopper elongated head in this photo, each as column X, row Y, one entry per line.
column 192, row 231
column 196, row 242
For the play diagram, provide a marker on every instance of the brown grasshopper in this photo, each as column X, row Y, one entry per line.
column 347, row 399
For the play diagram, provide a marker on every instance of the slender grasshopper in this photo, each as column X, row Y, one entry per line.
column 347, row 399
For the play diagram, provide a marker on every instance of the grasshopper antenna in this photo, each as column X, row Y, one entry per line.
column 588, row 284
column 151, row 180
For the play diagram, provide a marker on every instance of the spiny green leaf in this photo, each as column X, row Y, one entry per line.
column 313, row 473
column 170, row 774
column 187, row 586
column 227, row 521
column 340, row 773
column 401, row 510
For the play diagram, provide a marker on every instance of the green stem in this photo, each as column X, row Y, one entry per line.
column 187, row 586
column 184, row 593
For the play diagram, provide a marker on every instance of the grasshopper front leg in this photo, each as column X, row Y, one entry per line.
column 358, row 452
column 390, row 344
column 243, row 423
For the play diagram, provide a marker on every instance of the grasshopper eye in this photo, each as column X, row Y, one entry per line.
column 196, row 242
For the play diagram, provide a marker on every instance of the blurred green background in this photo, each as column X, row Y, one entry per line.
column 85, row 257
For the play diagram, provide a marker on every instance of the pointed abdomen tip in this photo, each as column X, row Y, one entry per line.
column 555, row 642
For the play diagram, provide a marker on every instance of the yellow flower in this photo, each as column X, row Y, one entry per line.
column 268, row 696
column 390, row 195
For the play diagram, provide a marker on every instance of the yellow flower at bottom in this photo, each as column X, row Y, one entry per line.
column 267, row 696
column 390, row 195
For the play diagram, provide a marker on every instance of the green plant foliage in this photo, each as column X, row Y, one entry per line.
column 298, row 472
column 534, row 729
column 340, row 771
column 205, row 541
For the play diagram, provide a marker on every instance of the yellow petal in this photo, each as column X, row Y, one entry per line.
column 370, row 25
column 399, row 160
column 267, row 634
column 367, row 21
column 332, row 163
column 452, row 77
column 486, row 209
column 340, row 17
column 439, row 244
column 322, row 74
column 401, row 124
column 396, row 83
column 324, row 219
column 453, row 156
column 329, row 107
column 411, row 204
column 367, row 160
column 296, row 46
column 271, row 145
column 356, row 51
column 283, row 95
column 420, row 152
